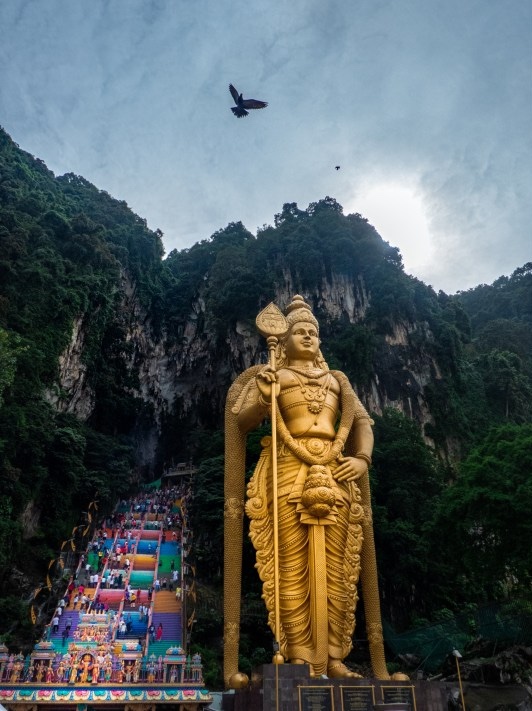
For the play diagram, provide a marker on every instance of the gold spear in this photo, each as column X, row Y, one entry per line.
column 272, row 324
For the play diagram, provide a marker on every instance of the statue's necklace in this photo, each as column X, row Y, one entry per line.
column 313, row 390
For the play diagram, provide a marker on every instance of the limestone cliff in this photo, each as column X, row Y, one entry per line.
column 178, row 378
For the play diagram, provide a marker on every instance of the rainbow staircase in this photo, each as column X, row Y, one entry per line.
column 108, row 658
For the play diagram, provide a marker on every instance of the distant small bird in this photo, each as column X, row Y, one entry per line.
column 337, row 167
column 243, row 104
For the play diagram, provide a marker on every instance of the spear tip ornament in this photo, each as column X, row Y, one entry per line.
column 271, row 322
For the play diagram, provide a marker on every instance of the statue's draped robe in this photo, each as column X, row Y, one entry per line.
column 319, row 549
column 319, row 558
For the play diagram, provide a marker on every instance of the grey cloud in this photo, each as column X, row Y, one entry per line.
column 133, row 95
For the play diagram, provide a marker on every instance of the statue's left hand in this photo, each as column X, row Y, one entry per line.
column 350, row 469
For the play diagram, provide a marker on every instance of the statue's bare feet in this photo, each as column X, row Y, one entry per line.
column 336, row 669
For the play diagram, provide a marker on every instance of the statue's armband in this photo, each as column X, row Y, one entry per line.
column 249, row 407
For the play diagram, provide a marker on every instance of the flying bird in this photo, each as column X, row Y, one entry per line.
column 337, row 167
column 243, row 104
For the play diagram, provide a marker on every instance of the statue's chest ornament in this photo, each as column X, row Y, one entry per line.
column 315, row 385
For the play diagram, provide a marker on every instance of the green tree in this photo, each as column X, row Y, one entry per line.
column 353, row 346
column 407, row 481
column 207, row 517
column 9, row 348
column 485, row 514
column 508, row 389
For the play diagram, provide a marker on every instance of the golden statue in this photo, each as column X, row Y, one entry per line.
column 61, row 671
column 85, row 665
column 315, row 538
column 39, row 671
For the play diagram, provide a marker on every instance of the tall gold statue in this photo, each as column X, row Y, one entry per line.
column 314, row 538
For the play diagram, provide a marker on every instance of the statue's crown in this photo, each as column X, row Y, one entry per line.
column 299, row 311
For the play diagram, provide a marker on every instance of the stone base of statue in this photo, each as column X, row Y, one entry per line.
column 289, row 687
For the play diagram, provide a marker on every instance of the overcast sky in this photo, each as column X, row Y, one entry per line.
column 425, row 104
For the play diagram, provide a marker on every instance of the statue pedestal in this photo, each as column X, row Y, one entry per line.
column 289, row 687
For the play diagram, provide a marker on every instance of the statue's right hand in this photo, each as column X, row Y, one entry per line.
column 266, row 378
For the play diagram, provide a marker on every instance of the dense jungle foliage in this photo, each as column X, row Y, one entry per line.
column 452, row 520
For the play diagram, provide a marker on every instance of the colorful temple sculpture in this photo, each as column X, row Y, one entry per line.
column 117, row 637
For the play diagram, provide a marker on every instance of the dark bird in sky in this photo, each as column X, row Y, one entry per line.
column 243, row 104
column 337, row 167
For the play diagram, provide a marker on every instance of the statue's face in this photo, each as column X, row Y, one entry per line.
column 302, row 342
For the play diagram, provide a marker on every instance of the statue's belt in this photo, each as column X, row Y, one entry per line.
column 315, row 446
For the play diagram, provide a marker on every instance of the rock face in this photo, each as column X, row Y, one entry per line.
column 180, row 378
column 72, row 393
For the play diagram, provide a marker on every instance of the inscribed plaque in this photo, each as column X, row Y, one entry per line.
column 358, row 698
column 399, row 694
column 316, row 698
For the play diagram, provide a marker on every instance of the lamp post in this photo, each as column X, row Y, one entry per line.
column 457, row 656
